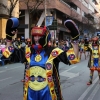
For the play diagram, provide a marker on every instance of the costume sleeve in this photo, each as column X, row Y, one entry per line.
column 15, row 53
column 8, row 51
column 68, row 57
column 22, row 55
column 90, row 47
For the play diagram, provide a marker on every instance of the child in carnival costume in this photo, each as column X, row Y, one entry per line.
column 81, row 48
column 42, row 63
column 94, row 63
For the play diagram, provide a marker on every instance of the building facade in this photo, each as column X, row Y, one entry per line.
column 5, row 6
column 83, row 12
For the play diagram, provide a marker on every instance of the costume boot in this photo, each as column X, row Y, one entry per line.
column 91, row 77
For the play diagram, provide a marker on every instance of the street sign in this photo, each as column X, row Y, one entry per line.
column 49, row 20
column 53, row 26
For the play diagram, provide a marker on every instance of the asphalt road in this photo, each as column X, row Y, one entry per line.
column 73, row 78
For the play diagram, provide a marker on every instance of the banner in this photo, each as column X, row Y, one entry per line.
column 49, row 20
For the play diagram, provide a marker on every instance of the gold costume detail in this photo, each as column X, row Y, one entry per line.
column 71, row 52
column 6, row 53
column 38, row 58
column 37, row 71
column 49, row 72
column 85, row 47
column 26, row 84
column 95, row 54
column 27, row 53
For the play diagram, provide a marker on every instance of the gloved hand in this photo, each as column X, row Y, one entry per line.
column 11, row 27
column 72, row 27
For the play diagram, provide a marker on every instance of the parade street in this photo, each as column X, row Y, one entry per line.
column 73, row 78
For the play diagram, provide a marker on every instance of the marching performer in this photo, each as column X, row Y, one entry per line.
column 86, row 46
column 41, row 61
column 94, row 63
column 81, row 49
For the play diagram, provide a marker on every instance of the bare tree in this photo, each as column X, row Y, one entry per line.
column 11, row 7
column 32, row 7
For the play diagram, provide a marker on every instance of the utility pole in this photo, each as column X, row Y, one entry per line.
column 45, row 11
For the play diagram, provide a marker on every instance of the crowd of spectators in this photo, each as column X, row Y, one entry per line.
column 21, row 42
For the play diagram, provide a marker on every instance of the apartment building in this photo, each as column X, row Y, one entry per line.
column 83, row 12
column 87, row 9
column 4, row 14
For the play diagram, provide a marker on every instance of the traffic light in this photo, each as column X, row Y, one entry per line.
column 53, row 26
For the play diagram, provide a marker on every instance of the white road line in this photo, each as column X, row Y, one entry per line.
column 10, row 69
column 2, row 71
column 69, row 74
column 94, row 92
column 69, row 69
column 5, row 79
column 88, row 89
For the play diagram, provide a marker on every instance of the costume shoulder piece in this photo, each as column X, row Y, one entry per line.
column 55, row 53
column 8, row 51
column 90, row 46
column 71, row 56
column 27, row 53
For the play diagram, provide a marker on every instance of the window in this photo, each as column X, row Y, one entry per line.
column 82, row 13
column 78, row 10
column 85, row 3
column 91, row 8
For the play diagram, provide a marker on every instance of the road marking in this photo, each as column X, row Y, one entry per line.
column 10, row 69
column 2, row 71
column 94, row 92
column 5, row 79
column 71, row 68
column 69, row 74
column 88, row 89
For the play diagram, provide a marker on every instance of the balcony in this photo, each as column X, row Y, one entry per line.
column 96, row 2
column 94, row 6
column 75, row 15
column 76, row 3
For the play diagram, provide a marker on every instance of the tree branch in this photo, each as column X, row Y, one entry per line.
column 1, row 4
column 35, row 7
column 11, row 2
column 12, row 6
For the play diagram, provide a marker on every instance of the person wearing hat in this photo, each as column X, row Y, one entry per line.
column 94, row 64
column 42, row 64
column 81, row 48
column 86, row 45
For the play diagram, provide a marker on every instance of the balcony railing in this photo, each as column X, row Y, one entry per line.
column 64, row 3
